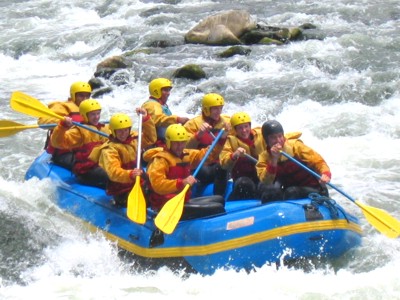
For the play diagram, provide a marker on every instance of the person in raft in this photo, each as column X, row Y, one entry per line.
column 169, row 171
column 81, row 141
column 79, row 91
column 239, row 157
column 294, row 181
column 203, row 129
column 118, row 156
column 157, row 107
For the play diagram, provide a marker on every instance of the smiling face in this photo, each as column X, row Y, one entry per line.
column 94, row 117
column 243, row 130
column 275, row 138
column 122, row 134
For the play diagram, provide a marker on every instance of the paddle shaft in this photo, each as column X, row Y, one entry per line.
column 23, row 127
column 216, row 139
column 139, row 145
column 251, row 158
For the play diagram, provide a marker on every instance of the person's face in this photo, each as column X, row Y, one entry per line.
column 94, row 117
column 243, row 130
column 276, row 138
column 122, row 134
column 178, row 147
column 80, row 96
column 165, row 92
column 215, row 112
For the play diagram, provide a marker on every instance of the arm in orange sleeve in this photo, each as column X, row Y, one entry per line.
column 157, row 172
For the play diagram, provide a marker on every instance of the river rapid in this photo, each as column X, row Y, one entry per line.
column 341, row 91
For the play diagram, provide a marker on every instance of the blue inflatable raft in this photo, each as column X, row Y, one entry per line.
column 248, row 235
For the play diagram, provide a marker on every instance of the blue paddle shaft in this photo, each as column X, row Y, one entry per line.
column 316, row 175
column 90, row 129
column 208, row 152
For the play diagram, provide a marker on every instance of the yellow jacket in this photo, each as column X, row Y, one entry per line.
column 167, row 171
column 193, row 125
column 75, row 137
column 119, row 159
column 287, row 172
column 67, row 108
column 233, row 143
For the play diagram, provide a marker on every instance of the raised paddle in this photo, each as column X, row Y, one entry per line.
column 30, row 106
column 8, row 128
column 380, row 219
column 170, row 214
column 136, row 207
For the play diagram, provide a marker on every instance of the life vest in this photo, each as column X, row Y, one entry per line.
column 180, row 170
column 291, row 174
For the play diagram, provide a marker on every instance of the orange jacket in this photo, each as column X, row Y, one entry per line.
column 167, row 171
column 242, row 166
column 80, row 141
column 119, row 159
column 287, row 172
column 193, row 126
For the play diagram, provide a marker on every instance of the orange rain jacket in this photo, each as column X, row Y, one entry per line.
column 167, row 171
column 119, row 159
column 289, row 173
column 80, row 141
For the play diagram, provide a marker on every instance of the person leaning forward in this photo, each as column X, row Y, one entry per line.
column 294, row 181
column 79, row 91
column 80, row 141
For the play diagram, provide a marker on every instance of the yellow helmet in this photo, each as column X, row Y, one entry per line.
column 79, row 87
column 210, row 100
column 119, row 121
column 156, row 85
column 87, row 106
column 175, row 133
column 240, row 118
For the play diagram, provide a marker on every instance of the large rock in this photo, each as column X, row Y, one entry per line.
column 221, row 29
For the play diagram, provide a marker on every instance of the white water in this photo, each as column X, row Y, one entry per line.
column 341, row 92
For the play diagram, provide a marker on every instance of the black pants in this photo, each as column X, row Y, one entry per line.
column 243, row 188
column 273, row 193
column 65, row 160
column 94, row 177
column 214, row 174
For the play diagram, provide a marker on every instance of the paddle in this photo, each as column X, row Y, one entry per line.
column 8, row 128
column 248, row 156
column 136, row 207
column 381, row 220
column 30, row 106
column 170, row 214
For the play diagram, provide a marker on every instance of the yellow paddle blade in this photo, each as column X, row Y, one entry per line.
column 30, row 106
column 381, row 220
column 170, row 214
column 8, row 128
column 136, row 208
